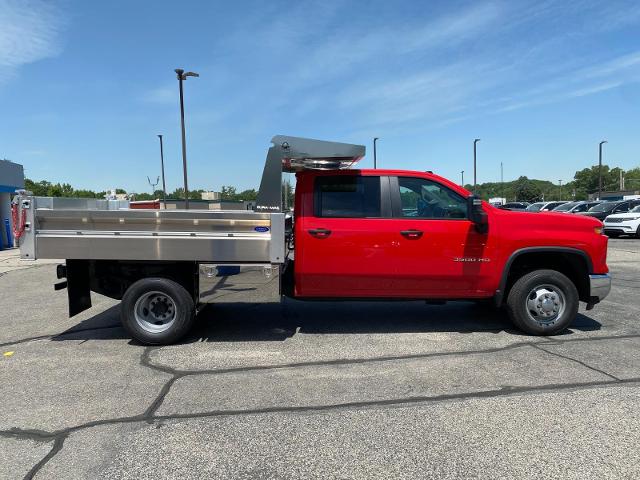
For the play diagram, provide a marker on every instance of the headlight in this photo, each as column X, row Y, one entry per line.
column 597, row 230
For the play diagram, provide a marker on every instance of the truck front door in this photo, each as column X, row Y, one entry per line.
column 438, row 252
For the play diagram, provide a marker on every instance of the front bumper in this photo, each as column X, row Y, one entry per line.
column 599, row 286
column 619, row 228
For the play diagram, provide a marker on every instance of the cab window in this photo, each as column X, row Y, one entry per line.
column 621, row 208
column 347, row 196
column 423, row 198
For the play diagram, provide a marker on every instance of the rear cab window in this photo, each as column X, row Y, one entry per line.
column 347, row 196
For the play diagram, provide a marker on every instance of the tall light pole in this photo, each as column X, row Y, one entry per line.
column 560, row 185
column 502, row 182
column 375, row 157
column 475, row 181
column 462, row 179
column 600, row 169
column 164, row 185
column 181, row 77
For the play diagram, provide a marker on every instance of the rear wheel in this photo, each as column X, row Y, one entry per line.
column 543, row 302
column 157, row 311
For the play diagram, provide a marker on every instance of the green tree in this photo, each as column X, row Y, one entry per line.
column 526, row 191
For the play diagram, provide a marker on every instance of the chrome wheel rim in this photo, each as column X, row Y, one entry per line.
column 155, row 312
column 546, row 304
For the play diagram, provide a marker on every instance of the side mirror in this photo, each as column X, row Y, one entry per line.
column 477, row 214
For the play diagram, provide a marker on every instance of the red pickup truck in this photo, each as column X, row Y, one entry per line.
column 414, row 235
column 354, row 234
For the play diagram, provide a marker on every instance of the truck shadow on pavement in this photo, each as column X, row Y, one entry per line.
column 259, row 322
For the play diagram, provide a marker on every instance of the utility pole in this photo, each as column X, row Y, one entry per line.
column 375, row 157
column 600, row 169
column 475, row 180
column 621, row 180
column 181, row 77
column 153, row 185
column 462, row 179
column 164, row 186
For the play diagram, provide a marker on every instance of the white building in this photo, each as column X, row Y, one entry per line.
column 210, row 195
column 11, row 179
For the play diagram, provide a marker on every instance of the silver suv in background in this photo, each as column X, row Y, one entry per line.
column 576, row 207
column 543, row 206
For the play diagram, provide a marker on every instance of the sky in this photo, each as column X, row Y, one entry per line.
column 86, row 86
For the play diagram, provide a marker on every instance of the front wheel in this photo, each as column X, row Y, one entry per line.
column 543, row 302
column 157, row 311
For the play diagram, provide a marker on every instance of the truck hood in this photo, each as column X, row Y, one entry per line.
column 549, row 220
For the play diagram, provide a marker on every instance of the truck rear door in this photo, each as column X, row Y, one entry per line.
column 344, row 236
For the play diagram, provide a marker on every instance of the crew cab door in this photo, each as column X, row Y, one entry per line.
column 438, row 252
column 343, row 236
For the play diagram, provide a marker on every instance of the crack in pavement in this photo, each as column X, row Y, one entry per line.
column 149, row 415
column 147, row 361
column 60, row 436
column 566, row 357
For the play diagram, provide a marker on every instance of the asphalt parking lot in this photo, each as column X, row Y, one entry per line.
column 343, row 390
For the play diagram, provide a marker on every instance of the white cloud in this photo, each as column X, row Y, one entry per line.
column 29, row 31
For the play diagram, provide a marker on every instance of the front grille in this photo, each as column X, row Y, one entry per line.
column 614, row 220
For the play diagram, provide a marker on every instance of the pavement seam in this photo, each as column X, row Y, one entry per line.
column 43, row 436
column 150, row 416
column 148, row 361
column 586, row 365
column 58, row 443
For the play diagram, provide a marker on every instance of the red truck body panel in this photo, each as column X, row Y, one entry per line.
column 371, row 258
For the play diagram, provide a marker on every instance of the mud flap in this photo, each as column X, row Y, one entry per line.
column 78, row 290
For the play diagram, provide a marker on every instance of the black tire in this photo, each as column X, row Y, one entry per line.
column 537, row 291
column 161, row 323
column 638, row 232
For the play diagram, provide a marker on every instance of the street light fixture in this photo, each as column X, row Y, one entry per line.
column 600, row 168
column 475, row 182
column 181, row 77
column 462, row 179
column 164, row 185
column 375, row 157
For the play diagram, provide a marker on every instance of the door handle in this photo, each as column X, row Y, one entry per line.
column 411, row 234
column 320, row 232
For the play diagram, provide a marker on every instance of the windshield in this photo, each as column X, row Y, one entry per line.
column 535, row 207
column 603, row 207
column 565, row 207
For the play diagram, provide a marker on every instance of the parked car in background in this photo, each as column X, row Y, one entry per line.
column 515, row 206
column 623, row 223
column 543, row 206
column 576, row 207
column 604, row 209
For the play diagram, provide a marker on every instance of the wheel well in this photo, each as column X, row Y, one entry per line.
column 113, row 277
column 573, row 265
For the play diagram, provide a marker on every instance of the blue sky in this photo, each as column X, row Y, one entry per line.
column 86, row 86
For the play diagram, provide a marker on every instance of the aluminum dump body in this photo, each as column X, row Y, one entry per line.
column 148, row 235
